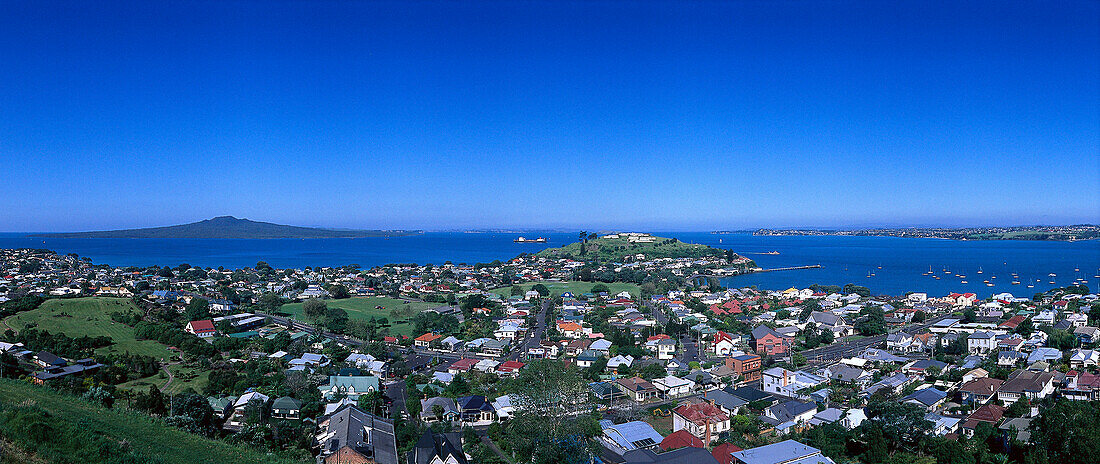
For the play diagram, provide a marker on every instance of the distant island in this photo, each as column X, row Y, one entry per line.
column 1052, row 233
column 628, row 247
column 231, row 227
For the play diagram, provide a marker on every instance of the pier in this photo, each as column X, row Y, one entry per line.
column 792, row 268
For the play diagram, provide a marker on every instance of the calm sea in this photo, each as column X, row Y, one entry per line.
column 898, row 264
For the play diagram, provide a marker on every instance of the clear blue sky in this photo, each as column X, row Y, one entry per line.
column 660, row 116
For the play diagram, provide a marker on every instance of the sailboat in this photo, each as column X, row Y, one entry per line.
column 979, row 269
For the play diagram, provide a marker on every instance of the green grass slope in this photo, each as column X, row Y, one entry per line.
column 616, row 249
column 92, row 317
column 365, row 308
column 577, row 288
column 60, row 428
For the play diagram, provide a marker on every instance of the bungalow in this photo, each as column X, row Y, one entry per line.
column 990, row 414
column 570, row 329
column 286, row 408
column 620, row 360
column 438, row 408
column 1080, row 358
column 462, row 365
column 509, row 368
column 427, row 340
column 928, row 398
column 238, row 417
column 629, row 436
column 673, row 387
column 788, row 451
column 636, row 388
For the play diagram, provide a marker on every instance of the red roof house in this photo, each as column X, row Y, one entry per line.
column 204, row 328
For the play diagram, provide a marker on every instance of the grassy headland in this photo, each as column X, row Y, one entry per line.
column 621, row 248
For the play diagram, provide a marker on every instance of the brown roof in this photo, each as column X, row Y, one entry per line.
column 989, row 413
column 984, row 386
column 701, row 413
column 635, row 384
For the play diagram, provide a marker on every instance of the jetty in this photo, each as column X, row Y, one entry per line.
column 791, row 268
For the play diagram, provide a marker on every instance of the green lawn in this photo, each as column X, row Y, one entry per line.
column 149, row 438
column 578, row 288
column 92, row 317
column 364, row 308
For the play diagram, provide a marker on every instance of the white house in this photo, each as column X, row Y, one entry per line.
column 673, row 387
column 981, row 342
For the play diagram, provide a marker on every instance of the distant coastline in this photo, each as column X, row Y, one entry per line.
column 1069, row 233
column 229, row 227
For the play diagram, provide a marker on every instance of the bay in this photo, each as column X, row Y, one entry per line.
column 898, row 264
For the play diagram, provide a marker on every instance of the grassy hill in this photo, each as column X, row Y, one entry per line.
column 577, row 288
column 365, row 308
column 230, row 227
column 60, row 428
column 616, row 249
column 89, row 316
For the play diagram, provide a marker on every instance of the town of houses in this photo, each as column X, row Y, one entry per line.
column 673, row 369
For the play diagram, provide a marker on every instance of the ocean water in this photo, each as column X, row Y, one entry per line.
column 897, row 263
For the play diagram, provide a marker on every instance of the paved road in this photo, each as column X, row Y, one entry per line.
column 534, row 336
column 847, row 349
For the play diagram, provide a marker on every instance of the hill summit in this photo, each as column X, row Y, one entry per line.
column 230, row 227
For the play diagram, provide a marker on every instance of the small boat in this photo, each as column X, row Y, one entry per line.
column 986, row 281
column 1052, row 281
column 961, row 276
column 988, row 285
column 964, row 281
column 1030, row 286
column 1053, row 274
column 979, row 269
column 1015, row 282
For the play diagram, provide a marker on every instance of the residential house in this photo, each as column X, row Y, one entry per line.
column 439, row 408
column 989, row 413
column 928, row 398
column 628, row 436
column 703, row 420
column 790, row 384
column 636, row 388
column 350, row 385
column 1032, row 385
column 238, row 415
column 981, row 342
column 204, row 328
column 350, row 435
column 979, row 391
column 428, row 340
column 475, row 409
column 673, row 387
column 784, row 452
column 286, row 408
column 438, row 448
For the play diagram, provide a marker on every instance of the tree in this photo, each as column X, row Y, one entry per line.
column 338, row 291
column 270, row 302
column 873, row 321
column 598, row 288
column 876, row 451
column 542, row 289
column 197, row 310
column 336, row 320
column 516, row 290
column 1067, row 432
column 919, row 316
column 314, row 309
column 902, row 423
column 550, row 393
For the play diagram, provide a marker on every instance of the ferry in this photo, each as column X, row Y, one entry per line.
column 531, row 240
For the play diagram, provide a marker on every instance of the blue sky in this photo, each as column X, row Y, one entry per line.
column 442, row 115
